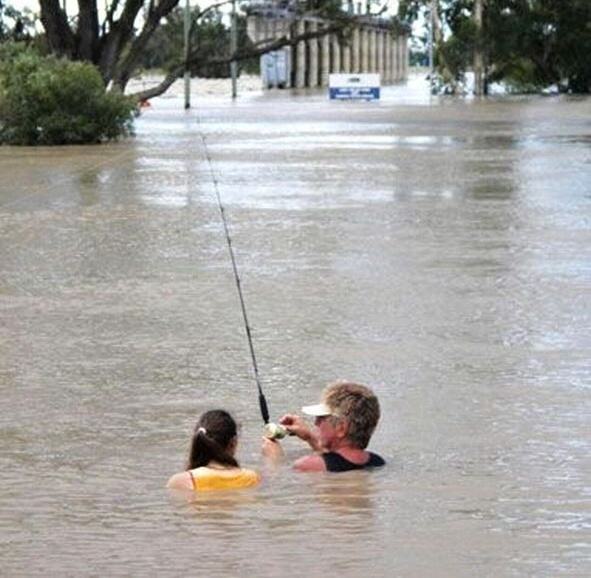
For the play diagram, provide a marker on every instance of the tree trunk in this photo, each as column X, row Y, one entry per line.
column 88, row 30
column 59, row 36
column 443, row 66
column 115, row 48
column 127, row 66
column 114, row 43
column 437, row 34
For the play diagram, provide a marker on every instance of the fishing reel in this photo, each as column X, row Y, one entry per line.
column 274, row 431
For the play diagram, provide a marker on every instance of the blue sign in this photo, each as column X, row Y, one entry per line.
column 364, row 86
column 360, row 93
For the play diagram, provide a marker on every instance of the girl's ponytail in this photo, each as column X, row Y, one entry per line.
column 214, row 433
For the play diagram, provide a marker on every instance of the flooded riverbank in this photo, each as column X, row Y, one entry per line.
column 435, row 249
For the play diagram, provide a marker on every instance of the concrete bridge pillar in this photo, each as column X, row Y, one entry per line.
column 324, row 60
column 313, row 56
column 394, row 54
column 401, row 58
column 371, row 48
column 336, row 54
column 346, row 57
column 364, row 50
column 356, row 51
column 387, row 58
column 380, row 55
column 373, row 56
column 406, row 57
column 397, row 59
column 300, row 75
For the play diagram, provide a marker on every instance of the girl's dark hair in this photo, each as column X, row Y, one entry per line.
column 213, row 435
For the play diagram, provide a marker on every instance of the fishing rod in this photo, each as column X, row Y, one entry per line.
column 272, row 430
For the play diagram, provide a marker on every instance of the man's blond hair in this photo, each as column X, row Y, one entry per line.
column 358, row 405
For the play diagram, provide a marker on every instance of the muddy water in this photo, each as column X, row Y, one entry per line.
column 438, row 251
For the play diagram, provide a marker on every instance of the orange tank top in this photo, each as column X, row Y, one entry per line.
column 206, row 479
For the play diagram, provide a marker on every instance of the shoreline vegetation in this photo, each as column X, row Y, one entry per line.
column 33, row 84
column 250, row 83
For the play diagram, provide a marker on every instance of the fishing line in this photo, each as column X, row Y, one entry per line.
column 262, row 399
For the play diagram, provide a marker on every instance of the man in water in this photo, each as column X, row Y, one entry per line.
column 345, row 421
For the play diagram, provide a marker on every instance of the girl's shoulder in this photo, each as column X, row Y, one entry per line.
column 205, row 478
column 181, row 481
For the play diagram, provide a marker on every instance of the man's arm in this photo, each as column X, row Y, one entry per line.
column 272, row 451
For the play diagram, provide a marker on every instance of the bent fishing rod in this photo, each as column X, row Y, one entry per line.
column 272, row 430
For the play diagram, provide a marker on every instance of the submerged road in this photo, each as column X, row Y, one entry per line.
column 437, row 250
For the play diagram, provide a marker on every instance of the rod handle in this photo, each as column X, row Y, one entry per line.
column 263, row 406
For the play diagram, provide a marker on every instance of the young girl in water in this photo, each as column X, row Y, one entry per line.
column 211, row 464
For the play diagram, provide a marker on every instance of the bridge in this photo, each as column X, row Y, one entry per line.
column 373, row 44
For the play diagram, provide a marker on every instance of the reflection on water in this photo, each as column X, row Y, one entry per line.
column 433, row 248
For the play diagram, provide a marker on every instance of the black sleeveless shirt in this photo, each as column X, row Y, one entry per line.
column 337, row 463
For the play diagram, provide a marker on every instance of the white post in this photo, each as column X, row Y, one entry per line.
column 233, row 48
column 187, row 28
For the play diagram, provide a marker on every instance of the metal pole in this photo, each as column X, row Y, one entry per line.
column 431, row 26
column 478, row 59
column 233, row 48
column 187, row 28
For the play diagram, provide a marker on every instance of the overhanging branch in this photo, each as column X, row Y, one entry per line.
column 195, row 61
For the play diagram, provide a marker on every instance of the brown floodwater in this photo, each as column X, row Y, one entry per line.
column 437, row 250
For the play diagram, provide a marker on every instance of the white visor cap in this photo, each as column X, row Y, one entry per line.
column 318, row 410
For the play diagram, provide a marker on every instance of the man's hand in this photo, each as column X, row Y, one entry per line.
column 296, row 425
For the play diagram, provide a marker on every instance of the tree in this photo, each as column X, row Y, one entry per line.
column 15, row 24
column 117, row 48
column 210, row 38
column 47, row 101
column 527, row 43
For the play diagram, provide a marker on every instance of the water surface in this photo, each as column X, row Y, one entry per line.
column 435, row 250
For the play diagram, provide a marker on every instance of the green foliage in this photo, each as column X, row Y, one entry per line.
column 540, row 42
column 573, row 43
column 409, row 10
column 15, row 24
column 46, row 101
column 529, row 44
column 458, row 49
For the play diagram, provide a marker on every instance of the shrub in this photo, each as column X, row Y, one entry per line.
column 50, row 101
